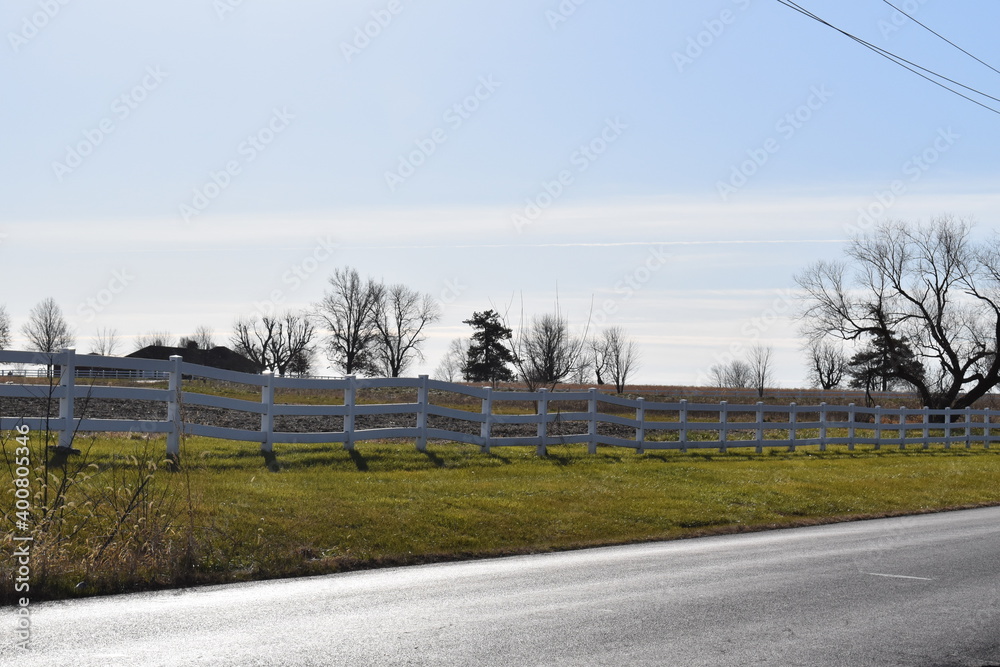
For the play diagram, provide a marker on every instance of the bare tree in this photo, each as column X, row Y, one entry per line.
column 759, row 358
column 348, row 312
column 545, row 352
column 106, row 342
column 827, row 364
column 203, row 337
column 4, row 328
column 46, row 329
column 737, row 374
column 583, row 371
column 450, row 368
column 597, row 355
column 157, row 338
column 928, row 285
column 401, row 315
column 275, row 343
column 621, row 355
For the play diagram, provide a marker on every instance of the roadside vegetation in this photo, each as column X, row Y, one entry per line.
column 116, row 518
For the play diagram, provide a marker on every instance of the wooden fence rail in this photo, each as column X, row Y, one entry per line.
column 600, row 419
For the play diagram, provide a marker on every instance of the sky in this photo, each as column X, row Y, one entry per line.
column 664, row 166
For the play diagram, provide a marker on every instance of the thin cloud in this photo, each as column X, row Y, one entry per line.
column 610, row 244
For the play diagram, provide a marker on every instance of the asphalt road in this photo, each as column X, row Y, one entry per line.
column 909, row 591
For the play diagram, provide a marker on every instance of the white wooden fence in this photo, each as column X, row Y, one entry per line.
column 654, row 426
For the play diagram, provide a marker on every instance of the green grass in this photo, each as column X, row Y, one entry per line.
column 328, row 510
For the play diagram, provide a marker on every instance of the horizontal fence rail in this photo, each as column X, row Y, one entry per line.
column 596, row 419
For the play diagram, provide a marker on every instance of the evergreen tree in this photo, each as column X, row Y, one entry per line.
column 488, row 356
column 883, row 364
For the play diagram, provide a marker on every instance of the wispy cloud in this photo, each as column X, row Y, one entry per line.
column 609, row 244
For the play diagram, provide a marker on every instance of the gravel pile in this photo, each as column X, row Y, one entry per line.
column 156, row 411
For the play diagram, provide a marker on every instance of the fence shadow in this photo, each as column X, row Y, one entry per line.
column 360, row 462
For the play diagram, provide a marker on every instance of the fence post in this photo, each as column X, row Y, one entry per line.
column 682, row 419
column 850, row 429
column 878, row 427
column 902, row 428
column 947, row 428
column 640, row 431
column 987, row 435
column 723, row 425
column 67, row 382
column 174, row 385
column 592, row 426
column 543, row 422
column 968, row 427
column 822, row 426
column 349, row 399
column 927, row 431
column 760, row 427
column 267, row 417
column 484, row 428
column 422, row 414
column 792, row 420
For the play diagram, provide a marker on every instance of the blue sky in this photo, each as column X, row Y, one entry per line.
column 673, row 164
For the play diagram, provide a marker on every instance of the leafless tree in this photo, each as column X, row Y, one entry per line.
column 545, row 352
column 621, row 356
column 275, row 343
column 761, row 367
column 597, row 356
column 737, row 374
column 827, row 364
column 930, row 285
column 583, row 371
column 46, row 329
column 106, row 342
column 348, row 313
column 450, row 368
column 4, row 328
column 157, row 338
column 401, row 315
column 203, row 337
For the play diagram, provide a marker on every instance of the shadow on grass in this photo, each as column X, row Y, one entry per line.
column 359, row 461
column 436, row 460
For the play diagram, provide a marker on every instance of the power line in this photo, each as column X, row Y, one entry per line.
column 930, row 30
column 899, row 60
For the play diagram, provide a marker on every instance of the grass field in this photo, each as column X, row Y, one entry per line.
column 130, row 524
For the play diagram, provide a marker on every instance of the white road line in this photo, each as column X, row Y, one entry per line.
column 897, row 576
